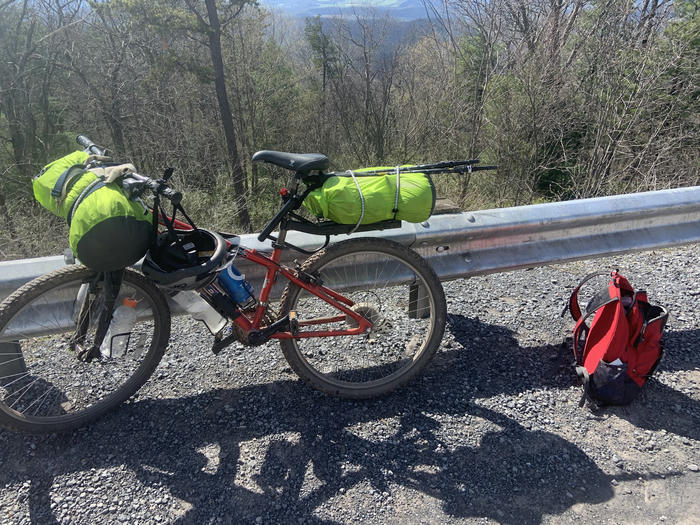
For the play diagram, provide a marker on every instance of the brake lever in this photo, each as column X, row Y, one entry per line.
column 167, row 173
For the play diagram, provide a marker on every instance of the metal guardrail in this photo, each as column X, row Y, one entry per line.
column 460, row 245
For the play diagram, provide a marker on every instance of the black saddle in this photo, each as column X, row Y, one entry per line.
column 299, row 162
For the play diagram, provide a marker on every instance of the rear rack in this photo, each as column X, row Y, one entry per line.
column 333, row 228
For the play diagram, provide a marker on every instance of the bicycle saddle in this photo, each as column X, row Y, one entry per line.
column 299, row 162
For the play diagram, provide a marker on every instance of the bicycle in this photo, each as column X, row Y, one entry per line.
column 384, row 302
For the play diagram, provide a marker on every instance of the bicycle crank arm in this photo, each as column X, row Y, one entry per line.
column 258, row 337
column 220, row 344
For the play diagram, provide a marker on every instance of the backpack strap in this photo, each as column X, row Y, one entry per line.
column 59, row 188
column 572, row 305
column 600, row 299
column 582, row 373
column 596, row 302
column 581, row 327
column 603, row 297
column 63, row 183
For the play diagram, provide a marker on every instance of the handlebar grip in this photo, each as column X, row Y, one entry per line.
column 89, row 145
column 84, row 141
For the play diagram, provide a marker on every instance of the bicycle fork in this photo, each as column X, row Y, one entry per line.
column 111, row 284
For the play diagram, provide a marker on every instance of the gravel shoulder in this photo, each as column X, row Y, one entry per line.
column 490, row 433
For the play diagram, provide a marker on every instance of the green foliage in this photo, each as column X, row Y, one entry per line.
column 324, row 51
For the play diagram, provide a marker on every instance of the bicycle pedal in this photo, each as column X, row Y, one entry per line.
column 221, row 342
column 293, row 323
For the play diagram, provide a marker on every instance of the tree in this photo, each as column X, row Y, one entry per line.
column 324, row 57
column 188, row 19
column 30, row 41
column 212, row 27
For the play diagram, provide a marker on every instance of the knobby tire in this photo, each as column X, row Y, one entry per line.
column 47, row 359
column 368, row 365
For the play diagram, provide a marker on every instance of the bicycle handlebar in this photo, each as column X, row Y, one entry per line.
column 172, row 195
column 89, row 145
column 158, row 187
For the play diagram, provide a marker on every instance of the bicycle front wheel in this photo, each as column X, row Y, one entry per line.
column 44, row 387
column 390, row 286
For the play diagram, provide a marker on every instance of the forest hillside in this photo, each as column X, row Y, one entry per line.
column 570, row 98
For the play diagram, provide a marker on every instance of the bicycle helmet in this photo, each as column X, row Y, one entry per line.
column 188, row 263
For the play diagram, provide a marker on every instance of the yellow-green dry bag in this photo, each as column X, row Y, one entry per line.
column 354, row 198
column 107, row 230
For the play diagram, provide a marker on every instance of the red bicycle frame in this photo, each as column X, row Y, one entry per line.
column 338, row 301
column 274, row 268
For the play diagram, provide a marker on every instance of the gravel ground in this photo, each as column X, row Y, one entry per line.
column 491, row 432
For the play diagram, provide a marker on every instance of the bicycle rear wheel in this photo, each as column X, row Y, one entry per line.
column 44, row 387
column 393, row 288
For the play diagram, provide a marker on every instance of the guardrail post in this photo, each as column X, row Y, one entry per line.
column 418, row 302
column 12, row 365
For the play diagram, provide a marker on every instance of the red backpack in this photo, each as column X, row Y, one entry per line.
column 622, row 347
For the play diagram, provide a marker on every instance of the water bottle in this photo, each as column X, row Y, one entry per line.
column 200, row 310
column 117, row 338
column 235, row 284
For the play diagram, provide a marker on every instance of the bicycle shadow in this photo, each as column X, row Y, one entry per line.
column 478, row 479
column 320, row 452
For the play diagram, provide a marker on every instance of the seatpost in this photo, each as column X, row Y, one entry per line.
column 293, row 185
column 282, row 234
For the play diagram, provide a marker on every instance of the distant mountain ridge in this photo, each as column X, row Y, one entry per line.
column 400, row 9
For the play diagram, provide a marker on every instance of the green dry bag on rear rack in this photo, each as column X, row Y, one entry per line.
column 354, row 198
column 107, row 230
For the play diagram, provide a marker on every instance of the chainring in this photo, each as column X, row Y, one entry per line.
column 241, row 335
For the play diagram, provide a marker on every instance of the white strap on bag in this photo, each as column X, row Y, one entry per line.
column 362, row 201
column 112, row 173
column 398, row 187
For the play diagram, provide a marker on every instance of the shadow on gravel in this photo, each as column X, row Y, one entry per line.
column 325, row 460
column 661, row 407
column 513, row 369
column 682, row 350
column 500, row 475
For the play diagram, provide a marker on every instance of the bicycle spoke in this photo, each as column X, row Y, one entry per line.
column 43, row 396
column 23, row 390
column 25, row 374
